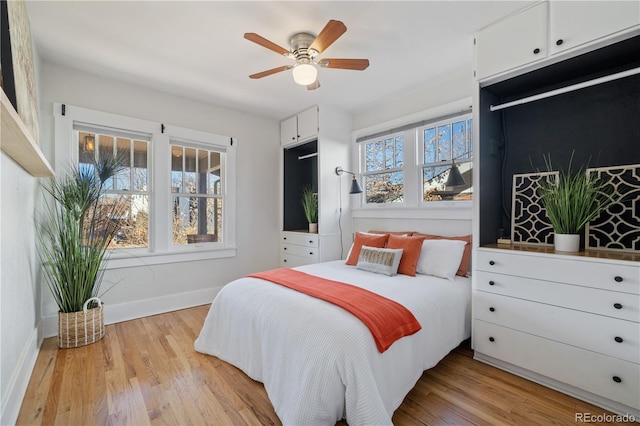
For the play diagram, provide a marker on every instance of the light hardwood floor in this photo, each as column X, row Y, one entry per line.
column 146, row 372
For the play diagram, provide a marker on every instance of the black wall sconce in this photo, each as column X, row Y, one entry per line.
column 355, row 186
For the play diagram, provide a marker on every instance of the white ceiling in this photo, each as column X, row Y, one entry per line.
column 196, row 49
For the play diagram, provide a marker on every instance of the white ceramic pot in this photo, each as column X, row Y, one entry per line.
column 313, row 228
column 567, row 242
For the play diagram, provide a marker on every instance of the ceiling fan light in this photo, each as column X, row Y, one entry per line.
column 304, row 74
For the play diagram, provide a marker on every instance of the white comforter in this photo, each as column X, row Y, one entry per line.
column 319, row 363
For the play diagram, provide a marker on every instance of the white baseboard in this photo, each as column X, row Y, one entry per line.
column 142, row 308
column 19, row 381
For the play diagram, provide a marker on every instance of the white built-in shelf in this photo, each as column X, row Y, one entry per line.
column 18, row 143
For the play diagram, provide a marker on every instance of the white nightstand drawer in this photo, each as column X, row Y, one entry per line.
column 592, row 272
column 300, row 239
column 609, row 336
column 604, row 302
column 311, row 252
column 600, row 374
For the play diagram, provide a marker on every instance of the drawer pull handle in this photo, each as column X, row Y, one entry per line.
column 310, row 252
column 284, row 248
column 618, row 279
column 310, row 241
column 492, row 283
column 618, row 339
column 284, row 238
column 492, row 309
column 285, row 261
column 536, row 51
column 617, row 379
column 491, row 339
column 559, row 42
column 491, row 262
column 617, row 305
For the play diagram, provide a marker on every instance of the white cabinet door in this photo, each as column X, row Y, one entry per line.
column 517, row 40
column 308, row 124
column 572, row 23
column 289, row 131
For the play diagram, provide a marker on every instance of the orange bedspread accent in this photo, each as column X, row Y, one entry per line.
column 388, row 320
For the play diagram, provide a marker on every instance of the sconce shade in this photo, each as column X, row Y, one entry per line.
column 455, row 177
column 355, row 186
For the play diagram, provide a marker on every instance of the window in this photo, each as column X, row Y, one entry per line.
column 131, row 183
column 443, row 147
column 197, row 194
column 178, row 183
column 384, row 169
column 419, row 163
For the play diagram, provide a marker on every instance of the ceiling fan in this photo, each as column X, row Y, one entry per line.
column 305, row 48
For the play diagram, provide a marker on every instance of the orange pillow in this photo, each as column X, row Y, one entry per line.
column 363, row 239
column 463, row 269
column 406, row 233
column 411, row 247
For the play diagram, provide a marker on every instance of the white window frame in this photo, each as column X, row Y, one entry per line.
column 161, row 249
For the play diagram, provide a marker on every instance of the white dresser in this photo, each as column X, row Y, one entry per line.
column 298, row 248
column 570, row 322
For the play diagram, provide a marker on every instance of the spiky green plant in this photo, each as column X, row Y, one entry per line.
column 573, row 199
column 76, row 227
column 310, row 204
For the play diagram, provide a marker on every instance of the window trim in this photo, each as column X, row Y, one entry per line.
column 160, row 249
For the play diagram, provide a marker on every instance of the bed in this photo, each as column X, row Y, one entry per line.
column 319, row 363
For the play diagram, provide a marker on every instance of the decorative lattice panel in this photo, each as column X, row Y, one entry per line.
column 618, row 227
column 529, row 221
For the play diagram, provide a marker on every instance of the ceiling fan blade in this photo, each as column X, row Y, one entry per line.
column 346, row 64
column 266, row 43
column 330, row 33
column 271, row 71
column 314, row 85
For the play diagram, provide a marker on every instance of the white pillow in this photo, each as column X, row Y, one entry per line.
column 440, row 258
column 379, row 260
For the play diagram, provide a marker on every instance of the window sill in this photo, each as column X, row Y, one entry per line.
column 452, row 210
column 121, row 259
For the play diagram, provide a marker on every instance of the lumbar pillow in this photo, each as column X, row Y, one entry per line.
column 440, row 258
column 379, row 260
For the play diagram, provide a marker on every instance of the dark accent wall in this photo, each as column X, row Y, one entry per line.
column 297, row 174
column 599, row 124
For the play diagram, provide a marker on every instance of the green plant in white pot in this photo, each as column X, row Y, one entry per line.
column 571, row 201
column 75, row 229
column 310, row 206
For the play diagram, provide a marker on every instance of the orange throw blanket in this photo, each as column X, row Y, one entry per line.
column 387, row 319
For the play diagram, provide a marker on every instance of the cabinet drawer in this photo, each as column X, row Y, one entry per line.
column 588, row 299
column 596, row 333
column 300, row 238
column 602, row 375
column 302, row 251
column 589, row 272
column 291, row 261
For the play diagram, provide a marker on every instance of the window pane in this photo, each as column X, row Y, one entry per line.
column 434, row 180
column 105, row 152
column 384, row 187
column 123, row 178
column 430, row 145
column 177, row 155
column 134, row 223
column 444, row 143
column 214, row 173
column 190, row 167
column 86, row 147
column 196, row 220
column 459, row 130
column 399, row 152
column 140, row 172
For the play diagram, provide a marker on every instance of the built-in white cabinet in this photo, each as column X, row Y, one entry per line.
column 549, row 28
column 569, row 322
column 311, row 160
column 512, row 42
column 575, row 23
column 300, row 128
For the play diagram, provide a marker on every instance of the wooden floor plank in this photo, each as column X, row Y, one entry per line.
column 146, row 371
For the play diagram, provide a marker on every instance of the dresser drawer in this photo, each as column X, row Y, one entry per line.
column 596, row 333
column 304, row 251
column 602, row 375
column 589, row 272
column 603, row 302
column 300, row 239
column 291, row 261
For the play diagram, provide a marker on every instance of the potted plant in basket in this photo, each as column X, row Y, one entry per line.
column 75, row 229
column 310, row 206
column 571, row 201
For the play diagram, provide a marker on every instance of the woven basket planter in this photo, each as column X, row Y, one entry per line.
column 81, row 328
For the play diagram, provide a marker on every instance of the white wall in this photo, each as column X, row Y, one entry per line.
column 436, row 99
column 145, row 290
